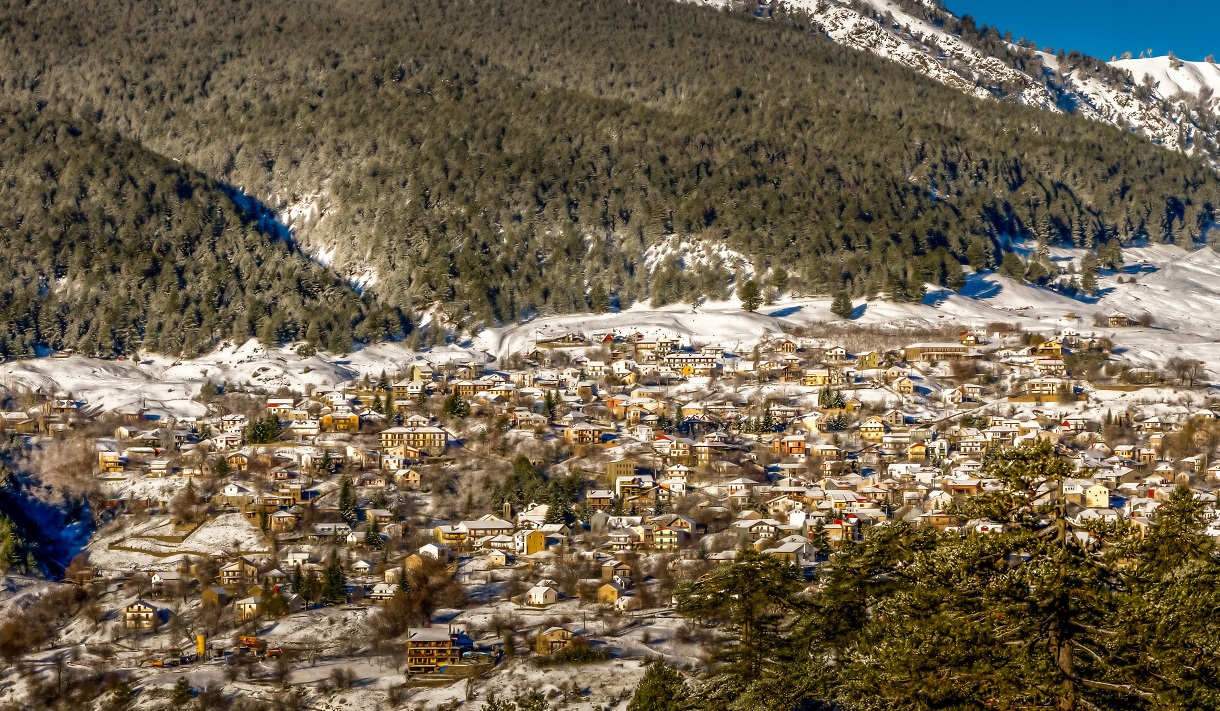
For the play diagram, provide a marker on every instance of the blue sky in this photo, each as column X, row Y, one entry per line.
column 1102, row 28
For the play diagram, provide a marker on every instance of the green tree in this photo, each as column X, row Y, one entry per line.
column 550, row 404
column 752, row 598
column 372, row 537
column 404, row 579
column 266, row 430
column 16, row 555
column 334, row 583
column 831, row 399
column 1012, row 266
column 347, row 500
column 599, row 300
column 182, row 692
column 750, row 294
column 1034, row 601
column 455, row 407
column 1088, row 272
column 122, row 696
column 660, row 689
column 533, row 701
column 311, row 587
column 841, row 305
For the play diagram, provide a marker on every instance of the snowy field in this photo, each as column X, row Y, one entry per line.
column 1180, row 289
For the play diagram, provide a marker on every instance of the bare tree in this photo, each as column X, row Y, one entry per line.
column 1186, row 370
column 65, row 465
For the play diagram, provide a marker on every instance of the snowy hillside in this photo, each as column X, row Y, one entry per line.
column 1175, row 80
column 883, row 28
column 1179, row 289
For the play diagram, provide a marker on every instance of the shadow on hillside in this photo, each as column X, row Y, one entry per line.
column 978, row 287
column 936, row 298
column 785, row 312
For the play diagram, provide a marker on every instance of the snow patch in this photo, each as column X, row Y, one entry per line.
column 693, row 253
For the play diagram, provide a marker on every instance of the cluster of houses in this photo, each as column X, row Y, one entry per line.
column 689, row 454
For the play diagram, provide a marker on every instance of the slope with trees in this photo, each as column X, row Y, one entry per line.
column 109, row 248
column 498, row 160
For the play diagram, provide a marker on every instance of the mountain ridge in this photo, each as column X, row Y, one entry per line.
column 484, row 168
column 932, row 40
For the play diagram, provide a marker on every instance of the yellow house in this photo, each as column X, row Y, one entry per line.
column 872, row 429
column 868, row 361
column 111, row 462
column 620, row 467
column 609, row 593
column 1097, row 496
column 530, row 542
column 552, row 640
column 140, row 615
column 341, row 422
column 815, row 377
column 450, row 536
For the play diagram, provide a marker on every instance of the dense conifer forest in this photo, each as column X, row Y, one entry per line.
column 108, row 247
column 502, row 158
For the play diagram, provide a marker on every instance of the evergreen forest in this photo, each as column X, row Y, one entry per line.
column 500, row 159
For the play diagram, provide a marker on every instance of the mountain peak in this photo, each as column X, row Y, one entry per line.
column 980, row 61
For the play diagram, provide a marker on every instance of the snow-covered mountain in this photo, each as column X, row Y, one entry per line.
column 924, row 36
column 1176, row 81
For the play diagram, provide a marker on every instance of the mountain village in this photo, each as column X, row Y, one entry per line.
column 624, row 466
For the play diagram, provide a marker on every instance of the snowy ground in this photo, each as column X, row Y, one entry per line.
column 1180, row 289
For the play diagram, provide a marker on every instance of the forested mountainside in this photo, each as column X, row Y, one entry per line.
column 108, row 247
column 502, row 157
column 990, row 62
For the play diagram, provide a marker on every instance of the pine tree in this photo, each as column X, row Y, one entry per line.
column 264, row 431
column 334, row 584
column 750, row 295
column 1088, row 272
column 841, row 306
column 599, row 300
column 1012, row 266
column 1110, row 255
column 456, row 407
column 752, row 598
column 182, row 692
column 313, row 336
column 265, row 598
column 404, row 579
column 311, row 587
column 777, row 279
column 660, row 689
column 372, row 537
column 347, row 500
